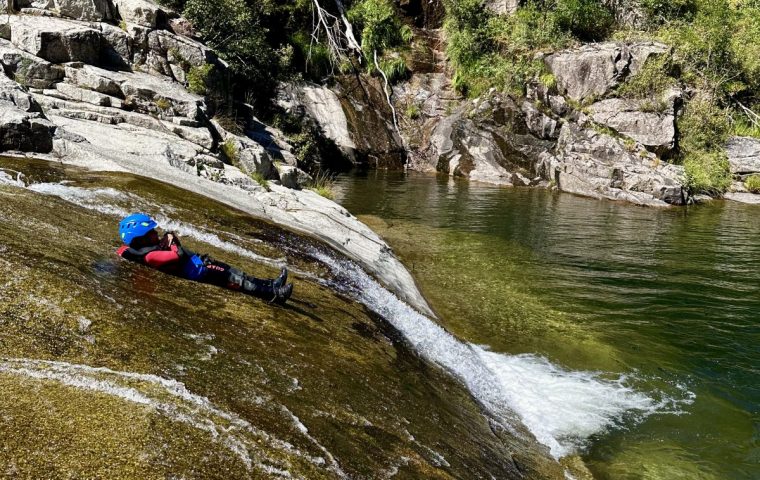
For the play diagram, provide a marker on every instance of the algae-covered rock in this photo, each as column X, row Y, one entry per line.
column 110, row 369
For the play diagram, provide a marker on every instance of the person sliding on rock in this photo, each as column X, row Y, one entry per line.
column 143, row 245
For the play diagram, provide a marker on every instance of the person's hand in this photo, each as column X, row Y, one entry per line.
column 169, row 239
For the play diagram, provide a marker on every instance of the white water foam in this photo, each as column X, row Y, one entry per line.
column 91, row 199
column 97, row 199
column 172, row 399
column 561, row 408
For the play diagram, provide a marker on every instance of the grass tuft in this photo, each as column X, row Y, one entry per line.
column 323, row 183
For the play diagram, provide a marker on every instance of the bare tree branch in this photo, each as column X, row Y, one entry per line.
column 387, row 95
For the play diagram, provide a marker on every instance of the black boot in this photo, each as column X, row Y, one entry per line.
column 281, row 280
column 282, row 294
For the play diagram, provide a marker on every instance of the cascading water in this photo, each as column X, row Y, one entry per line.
column 561, row 408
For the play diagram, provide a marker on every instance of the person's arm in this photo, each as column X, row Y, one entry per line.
column 161, row 258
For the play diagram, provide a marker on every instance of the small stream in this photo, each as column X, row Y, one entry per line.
column 627, row 334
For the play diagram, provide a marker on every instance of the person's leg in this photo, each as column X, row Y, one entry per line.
column 223, row 275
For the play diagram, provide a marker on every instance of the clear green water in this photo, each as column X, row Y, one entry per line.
column 669, row 297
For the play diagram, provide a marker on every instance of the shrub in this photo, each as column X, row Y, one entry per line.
column 413, row 111
column 379, row 26
column 22, row 74
column 499, row 51
column 394, row 68
column 235, row 31
column 703, row 47
column 230, row 151
column 707, row 173
column 745, row 45
column 651, row 81
column 661, row 11
column 315, row 57
column 198, row 79
column 752, row 183
column 742, row 128
column 703, row 127
column 163, row 104
column 586, row 19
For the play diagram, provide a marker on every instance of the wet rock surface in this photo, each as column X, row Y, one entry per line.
column 185, row 379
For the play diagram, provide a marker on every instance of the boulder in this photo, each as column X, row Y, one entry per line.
column 172, row 55
column 744, row 155
column 88, row 10
column 11, row 92
column 70, row 92
column 96, row 79
column 141, row 92
column 487, row 141
column 27, row 69
column 323, row 106
column 23, row 131
column 56, row 40
column 502, row 7
column 293, row 177
column 640, row 120
column 116, row 46
column 22, row 125
column 539, row 123
column 245, row 153
column 598, row 165
column 142, row 12
column 592, row 71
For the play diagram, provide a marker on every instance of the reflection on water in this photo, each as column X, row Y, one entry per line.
column 670, row 295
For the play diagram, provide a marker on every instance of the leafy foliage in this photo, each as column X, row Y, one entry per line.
column 661, row 11
column 230, row 151
column 651, row 81
column 703, row 126
column 708, row 172
column 752, row 183
column 235, row 30
column 499, row 51
column 586, row 19
column 380, row 26
column 198, row 79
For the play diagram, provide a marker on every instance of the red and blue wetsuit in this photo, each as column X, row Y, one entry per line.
column 155, row 257
column 173, row 258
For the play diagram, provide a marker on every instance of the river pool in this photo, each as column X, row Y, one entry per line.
column 663, row 302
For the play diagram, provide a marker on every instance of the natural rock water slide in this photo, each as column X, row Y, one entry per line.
column 78, row 90
column 224, row 383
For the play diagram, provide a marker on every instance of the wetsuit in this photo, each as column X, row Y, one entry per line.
column 172, row 259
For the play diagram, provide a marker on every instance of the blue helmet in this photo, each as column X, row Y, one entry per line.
column 134, row 226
